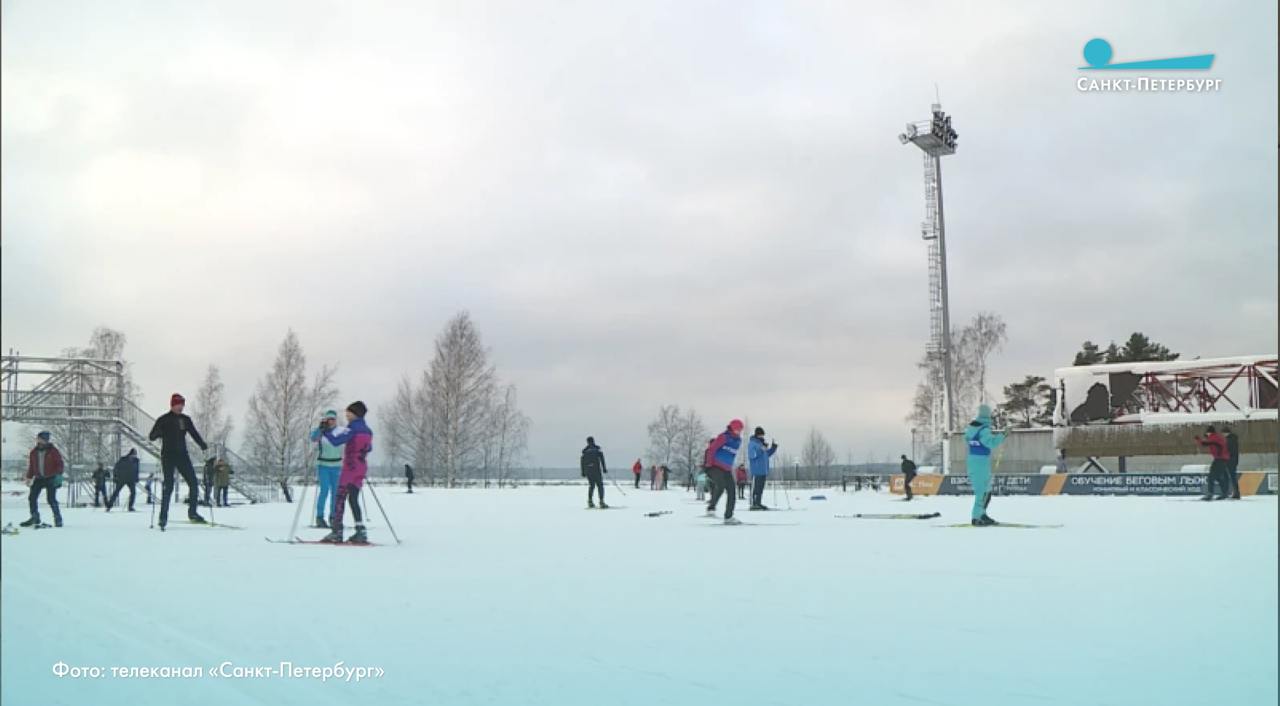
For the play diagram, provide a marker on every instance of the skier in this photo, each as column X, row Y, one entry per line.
column 593, row 469
column 908, row 475
column 1233, row 461
column 720, row 456
column 210, row 466
column 701, row 482
column 758, row 456
column 328, row 468
column 653, row 477
column 1216, row 446
column 125, row 474
column 222, row 472
column 982, row 441
column 357, row 439
column 44, row 472
column 636, row 470
column 740, row 477
column 172, row 429
column 408, row 476
column 100, row 485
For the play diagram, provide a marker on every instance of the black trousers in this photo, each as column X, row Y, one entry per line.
column 742, row 491
column 721, row 483
column 1235, row 478
column 637, row 475
column 220, row 496
column 757, row 490
column 50, row 495
column 133, row 492
column 100, row 489
column 349, row 493
column 595, row 480
column 906, row 483
column 1218, row 476
column 180, row 464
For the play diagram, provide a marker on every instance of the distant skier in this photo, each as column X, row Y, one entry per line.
column 908, row 475
column 653, row 477
column 172, row 429
column 222, row 473
column 1216, row 446
column 701, row 482
column 44, row 473
column 357, row 440
column 982, row 441
column 328, row 468
column 740, row 478
column 210, row 467
column 636, row 469
column 593, row 469
column 758, row 456
column 408, row 476
column 1233, row 461
column 100, row 485
column 721, row 454
column 125, row 474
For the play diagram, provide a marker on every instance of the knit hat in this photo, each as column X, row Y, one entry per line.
column 177, row 399
column 44, row 436
column 984, row 413
column 736, row 425
column 759, row 431
column 357, row 408
column 330, row 414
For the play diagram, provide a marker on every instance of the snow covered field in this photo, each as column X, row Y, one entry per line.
column 524, row 597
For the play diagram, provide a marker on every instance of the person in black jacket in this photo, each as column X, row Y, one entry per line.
column 100, row 485
column 172, row 429
column 408, row 476
column 908, row 474
column 593, row 468
column 1233, row 461
column 125, row 474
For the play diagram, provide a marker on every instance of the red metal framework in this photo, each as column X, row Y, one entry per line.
column 1235, row 386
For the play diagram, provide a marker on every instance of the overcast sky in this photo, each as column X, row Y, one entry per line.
column 700, row 203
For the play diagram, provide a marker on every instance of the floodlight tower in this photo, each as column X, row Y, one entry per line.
column 936, row 138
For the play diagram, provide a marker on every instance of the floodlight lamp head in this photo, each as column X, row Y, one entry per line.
column 911, row 129
column 903, row 139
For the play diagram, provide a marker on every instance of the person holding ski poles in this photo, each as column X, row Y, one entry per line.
column 357, row 440
column 172, row 429
column 758, row 457
column 328, row 468
column 720, row 456
column 982, row 441
column 125, row 474
column 908, row 474
column 44, row 473
column 593, row 469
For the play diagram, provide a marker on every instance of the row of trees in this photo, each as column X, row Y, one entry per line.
column 678, row 439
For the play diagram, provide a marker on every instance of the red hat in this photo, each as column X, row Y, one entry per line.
column 177, row 399
column 736, row 425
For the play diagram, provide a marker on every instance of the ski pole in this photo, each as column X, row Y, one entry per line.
column 382, row 510
column 620, row 490
column 152, row 497
column 297, row 512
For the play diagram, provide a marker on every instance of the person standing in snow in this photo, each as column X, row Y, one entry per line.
column 758, row 456
column 125, row 474
column 44, row 473
column 701, row 482
column 210, row 467
column 408, row 476
column 171, row 429
column 1233, row 461
column 221, row 482
column 721, row 454
column 636, row 469
column 908, row 474
column 982, row 441
column 1216, row 447
column 357, row 440
column 328, row 468
column 100, row 485
column 593, row 469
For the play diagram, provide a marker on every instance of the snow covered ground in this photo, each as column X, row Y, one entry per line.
column 524, row 597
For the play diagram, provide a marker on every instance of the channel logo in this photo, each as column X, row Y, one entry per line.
column 1098, row 54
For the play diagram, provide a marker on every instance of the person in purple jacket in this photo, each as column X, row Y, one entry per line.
column 356, row 440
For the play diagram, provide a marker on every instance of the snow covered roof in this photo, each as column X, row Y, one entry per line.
column 1164, row 367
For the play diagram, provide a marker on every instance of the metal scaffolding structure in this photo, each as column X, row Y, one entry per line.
column 83, row 402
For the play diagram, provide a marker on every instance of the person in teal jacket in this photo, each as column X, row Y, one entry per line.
column 982, row 441
column 328, row 468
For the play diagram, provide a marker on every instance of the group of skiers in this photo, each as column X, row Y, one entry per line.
column 1223, row 470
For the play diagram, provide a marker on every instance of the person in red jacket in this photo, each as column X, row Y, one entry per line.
column 636, row 470
column 44, row 472
column 1216, row 446
column 740, row 475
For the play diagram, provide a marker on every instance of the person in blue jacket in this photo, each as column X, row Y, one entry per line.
column 328, row 468
column 758, row 457
column 719, row 459
column 982, row 441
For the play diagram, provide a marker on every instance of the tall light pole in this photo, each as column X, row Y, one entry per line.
column 936, row 138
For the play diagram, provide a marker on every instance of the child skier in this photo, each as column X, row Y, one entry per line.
column 357, row 440
column 328, row 468
column 44, row 473
column 982, row 441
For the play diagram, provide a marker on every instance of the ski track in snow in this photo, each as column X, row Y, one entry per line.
column 521, row 597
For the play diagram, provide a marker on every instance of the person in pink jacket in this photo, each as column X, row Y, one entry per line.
column 356, row 440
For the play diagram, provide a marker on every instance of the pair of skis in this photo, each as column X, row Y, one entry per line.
column 932, row 515
column 300, row 540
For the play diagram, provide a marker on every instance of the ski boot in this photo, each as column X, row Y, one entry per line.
column 591, row 505
column 195, row 518
column 334, row 536
column 711, row 512
column 1221, row 497
column 603, row 506
column 732, row 521
column 321, row 524
column 30, row 523
column 986, row 521
column 57, row 522
column 359, row 537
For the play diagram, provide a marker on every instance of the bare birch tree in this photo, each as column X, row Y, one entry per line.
column 691, row 443
column 664, row 435
column 817, row 452
column 460, row 385
column 407, row 420
column 208, row 414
